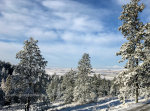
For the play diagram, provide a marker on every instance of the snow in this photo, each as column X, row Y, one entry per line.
column 131, row 105
column 105, row 73
column 103, row 104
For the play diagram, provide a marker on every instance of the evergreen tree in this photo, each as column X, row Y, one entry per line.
column 68, row 86
column 97, row 85
column 3, row 85
column 8, row 88
column 2, row 91
column 114, row 88
column 132, row 49
column 83, row 91
column 52, row 89
column 144, row 68
column 8, row 85
column 4, row 75
column 31, row 67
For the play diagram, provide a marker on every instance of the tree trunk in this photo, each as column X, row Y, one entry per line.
column 28, row 104
column 137, row 86
column 136, row 95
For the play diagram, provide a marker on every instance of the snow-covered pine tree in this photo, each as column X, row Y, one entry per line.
column 8, row 85
column 8, row 88
column 4, row 73
column 95, row 83
column 122, row 86
column 144, row 68
column 3, row 85
column 68, row 86
column 59, row 88
column 132, row 49
column 2, row 92
column 31, row 67
column 98, row 85
column 83, row 92
column 53, row 88
column 114, row 88
column 42, row 84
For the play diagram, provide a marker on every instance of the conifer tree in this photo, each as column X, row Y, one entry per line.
column 52, row 89
column 31, row 67
column 8, row 85
column 83, row 92
column 143, row 69
column 132, row 49
column 68, row 86
column 97, row 85
column 114, row 88
column 3, row 85
column 8, row 88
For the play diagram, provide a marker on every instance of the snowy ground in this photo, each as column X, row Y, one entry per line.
column 103, row 104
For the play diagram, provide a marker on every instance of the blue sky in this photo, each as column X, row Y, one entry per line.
column 65, row 29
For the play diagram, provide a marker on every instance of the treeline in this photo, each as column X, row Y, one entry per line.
column 12, row 85
column 5, row 69
column 79, row 86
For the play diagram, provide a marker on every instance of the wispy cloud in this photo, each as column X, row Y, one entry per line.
column 65, row 30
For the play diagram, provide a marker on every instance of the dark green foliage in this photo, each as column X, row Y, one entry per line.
column 54, row 88
column 5, row 69
column 2, row 97
column 102, row 86
column 68, row 85
column 114, row 91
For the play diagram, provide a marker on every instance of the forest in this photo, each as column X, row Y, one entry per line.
column 27, row 84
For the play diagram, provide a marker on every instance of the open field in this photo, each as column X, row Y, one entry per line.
column 107, row 73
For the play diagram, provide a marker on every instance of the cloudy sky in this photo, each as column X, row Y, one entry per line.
column 65, row 29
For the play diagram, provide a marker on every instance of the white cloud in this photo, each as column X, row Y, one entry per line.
column 40, row 34
column 76, row 16
column 77, row 27
column 25, row 18
column 101, row 39
column 54, row 4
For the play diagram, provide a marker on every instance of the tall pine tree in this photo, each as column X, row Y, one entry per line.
column 132, row 49
column 68, row 86
column 30, row 68
column 83, row 91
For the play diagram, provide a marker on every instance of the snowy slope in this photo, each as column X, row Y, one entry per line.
column 104, row 104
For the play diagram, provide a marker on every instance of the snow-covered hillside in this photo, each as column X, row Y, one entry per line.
column 107, row 73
